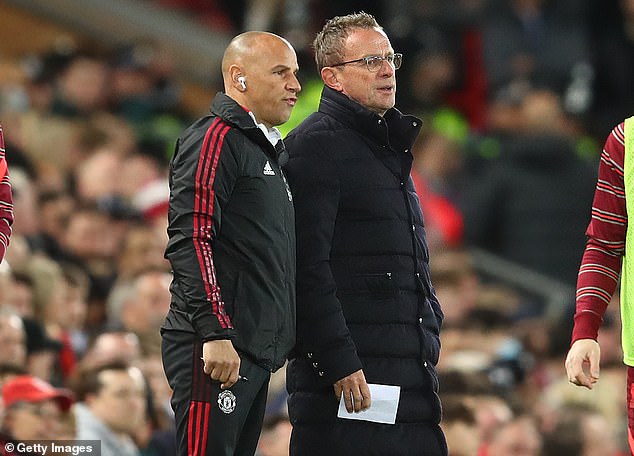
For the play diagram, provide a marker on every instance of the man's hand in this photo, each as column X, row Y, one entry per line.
column 582, row 363
column 222, row 362
column 356, row 394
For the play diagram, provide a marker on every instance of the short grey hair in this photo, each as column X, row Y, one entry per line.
column 330, row 42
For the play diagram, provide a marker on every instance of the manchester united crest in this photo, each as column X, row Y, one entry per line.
column 226, row 401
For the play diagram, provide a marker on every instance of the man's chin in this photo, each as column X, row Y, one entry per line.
column 284, row 119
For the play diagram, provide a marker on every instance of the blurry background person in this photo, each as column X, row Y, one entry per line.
column 12, row 339
column 438, row 163
column 460, row 427
column 155, row 434
column 111, row 408
column 112, row 346
column 534, row 42
column 18, row 293
column 35, row 410
column 144, row 305
column 581, row 430
column 529, row 204
column 42, row 352
column 518, row 437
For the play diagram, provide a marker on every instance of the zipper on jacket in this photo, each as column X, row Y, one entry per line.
column 387, row 275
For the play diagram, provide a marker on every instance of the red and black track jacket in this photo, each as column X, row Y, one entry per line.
column 231, row 237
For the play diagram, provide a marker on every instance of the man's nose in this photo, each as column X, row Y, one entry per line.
column 387, row 68
column 294, row 85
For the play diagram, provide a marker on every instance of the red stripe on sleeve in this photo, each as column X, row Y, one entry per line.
column 203, row 215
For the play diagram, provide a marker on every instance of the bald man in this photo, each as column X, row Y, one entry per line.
column 232, row 250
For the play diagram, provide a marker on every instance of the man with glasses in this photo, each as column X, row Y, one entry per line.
column 366, row 309
column 34, row 410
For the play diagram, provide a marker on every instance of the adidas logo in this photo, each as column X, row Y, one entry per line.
column 268, row 170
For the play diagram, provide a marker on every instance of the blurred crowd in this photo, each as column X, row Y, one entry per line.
column 517, row 97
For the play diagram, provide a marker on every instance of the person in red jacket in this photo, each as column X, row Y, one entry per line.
column 6, row 201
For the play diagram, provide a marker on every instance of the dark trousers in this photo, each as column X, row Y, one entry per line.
column 211, row 421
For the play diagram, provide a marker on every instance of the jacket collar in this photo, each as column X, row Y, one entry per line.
column 395, row 129
column 229, row 110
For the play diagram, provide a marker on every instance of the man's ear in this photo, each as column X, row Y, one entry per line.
column 235, row 72
column 329, row 76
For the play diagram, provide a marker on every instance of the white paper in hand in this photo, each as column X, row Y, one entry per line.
column 383, row 409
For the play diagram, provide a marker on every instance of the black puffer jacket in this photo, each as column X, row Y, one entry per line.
column 231, row 237
column 364, row 295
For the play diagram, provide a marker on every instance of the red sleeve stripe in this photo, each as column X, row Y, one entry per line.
column 610, row 188
column 619, row 133
column 600, row 315
column 594, row 291
column 607, row 159
column 608, row 217
column 6, row 200
column 599, row 269
column 203, row 215
column 612, row 248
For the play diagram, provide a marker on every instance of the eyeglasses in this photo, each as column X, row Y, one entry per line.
column 41, row 410
column 375, row 62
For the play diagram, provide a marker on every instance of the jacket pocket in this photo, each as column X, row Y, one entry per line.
column 380, row 282
column 233, row 298
column 431, row 346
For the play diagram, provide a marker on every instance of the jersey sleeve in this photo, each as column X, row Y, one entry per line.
column 601, row 262
column 202, row 174
column 6, row 200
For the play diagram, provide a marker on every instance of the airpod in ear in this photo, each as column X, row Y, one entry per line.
column 243, row 82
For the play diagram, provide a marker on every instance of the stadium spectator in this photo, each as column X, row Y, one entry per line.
column 34, row 409
column 111, row 407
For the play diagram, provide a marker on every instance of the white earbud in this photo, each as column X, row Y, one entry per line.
column 243, row 82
